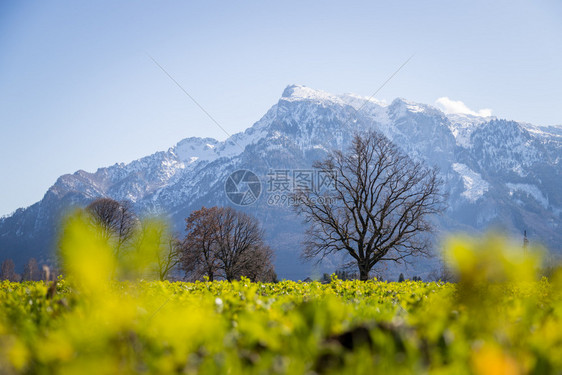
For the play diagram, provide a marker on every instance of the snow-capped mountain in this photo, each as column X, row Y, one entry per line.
column 498, row 174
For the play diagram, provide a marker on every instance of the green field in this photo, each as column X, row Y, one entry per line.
column 286, row 328
column 499, row 317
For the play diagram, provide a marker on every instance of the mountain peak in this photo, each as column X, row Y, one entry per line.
column 494, row 172
column 300, row 92
column 401, row 106
column 193, row 148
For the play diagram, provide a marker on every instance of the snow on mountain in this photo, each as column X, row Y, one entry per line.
column 463, row 125
column 191, row 150
column 474, row 185
column 298, row 93
column 530, row 190
column 496, row 172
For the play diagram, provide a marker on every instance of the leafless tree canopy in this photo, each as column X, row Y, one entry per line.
column 115, row 220
column 31, row 271
column 378, row 208
column 224, row 243
column 8, row 271
column 200, row 245
column 154, row 248
column 169, row 257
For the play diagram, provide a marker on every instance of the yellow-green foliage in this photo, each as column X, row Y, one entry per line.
column 498, row 319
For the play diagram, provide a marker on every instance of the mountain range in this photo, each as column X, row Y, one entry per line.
column 498, row 174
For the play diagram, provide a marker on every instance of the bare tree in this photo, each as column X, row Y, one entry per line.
column 226, row 243
column 9, row 271
column 239, row 241
column 152, row 252
column 442, row 273
column 31, row 271
column 259, row 266
column 200, row 245
column 116, row 221
column 169, row 257
column 377, row 208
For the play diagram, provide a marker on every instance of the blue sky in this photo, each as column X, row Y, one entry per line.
column 78, row 90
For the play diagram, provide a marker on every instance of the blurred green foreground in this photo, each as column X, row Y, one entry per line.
column 107, row 318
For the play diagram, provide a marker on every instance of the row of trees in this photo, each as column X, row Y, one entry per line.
column 31, row 271
column 224, row 243
column 220, row 242
column 379, row 209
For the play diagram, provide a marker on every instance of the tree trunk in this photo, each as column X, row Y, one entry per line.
column 363, row 272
